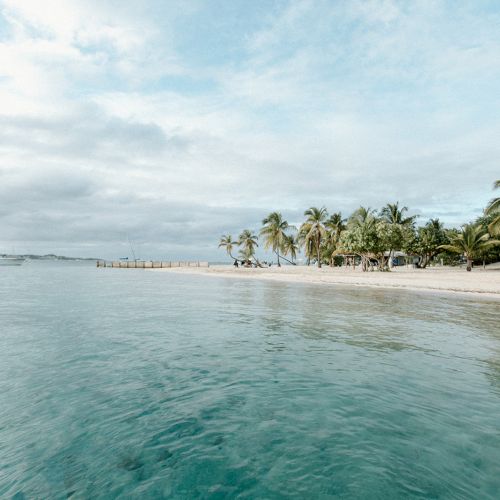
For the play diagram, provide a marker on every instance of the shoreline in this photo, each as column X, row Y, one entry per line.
column 478, row 284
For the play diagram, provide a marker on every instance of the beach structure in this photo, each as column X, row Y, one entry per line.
column 402, row 258
column 149, row 264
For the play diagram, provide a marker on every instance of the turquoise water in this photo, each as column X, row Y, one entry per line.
column 138, row 384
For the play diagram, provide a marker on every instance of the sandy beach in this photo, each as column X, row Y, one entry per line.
column 478, row 283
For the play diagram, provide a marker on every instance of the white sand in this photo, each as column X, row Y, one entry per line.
column 478, row 283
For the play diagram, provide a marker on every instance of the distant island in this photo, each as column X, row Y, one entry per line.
column 49, row 256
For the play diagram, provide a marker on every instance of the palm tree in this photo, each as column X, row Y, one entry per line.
column 471, row 242
column 246, row 255
column 361, row 216
column 313, row 229
column 290, row 246
column 274, row 232
column 248, row 241
column 429, row 238
column 309, row 247
column 493, row 208
column 227, row 242
column 392, row 214
column 335, row 223
column 334, row 227
column 362, row 224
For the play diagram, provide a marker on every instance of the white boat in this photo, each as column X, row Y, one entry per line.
column 11, row 261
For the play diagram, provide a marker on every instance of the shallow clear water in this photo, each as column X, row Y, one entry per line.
column 137, row 384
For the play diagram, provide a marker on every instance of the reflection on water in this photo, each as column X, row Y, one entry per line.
column 149, row 385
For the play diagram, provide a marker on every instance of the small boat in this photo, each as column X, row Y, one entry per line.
column 11, row 261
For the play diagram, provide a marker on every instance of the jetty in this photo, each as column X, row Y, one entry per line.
column 149, row 264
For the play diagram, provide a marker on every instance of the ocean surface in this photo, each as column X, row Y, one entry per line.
column 139, row 384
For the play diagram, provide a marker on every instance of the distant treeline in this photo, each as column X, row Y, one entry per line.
column 47, row 257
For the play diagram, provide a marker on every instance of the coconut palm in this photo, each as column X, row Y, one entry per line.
column 361, row 216
column 471, row 242
column 361, row 237
column 313, row 229
column 246, row 255
column 290, row 246
column 308, row 244
column 248, row 241
column 392, row 214
column 334, row 227
column 493, row 208
column 227, row 242
column 335, row 224
column 427, row 241
column 274, row 232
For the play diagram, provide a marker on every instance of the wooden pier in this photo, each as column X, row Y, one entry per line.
column 149, row 264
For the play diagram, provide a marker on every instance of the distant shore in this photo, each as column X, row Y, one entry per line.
column 478, row 283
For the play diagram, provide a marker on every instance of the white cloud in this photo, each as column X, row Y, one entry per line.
column 110, row 124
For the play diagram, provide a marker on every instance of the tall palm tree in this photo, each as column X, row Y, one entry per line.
column 470, row 242
column 274, row 231
column 334, row 227
column 429, row 238
column 308, row 244
column 248, row 241
column 246, row 255
column 335, row 223
column 290, row 246
column 313, row 229
column 493, row 208
column 361, row 215
column 227, row 242
column 392, row 214
column 362, row 222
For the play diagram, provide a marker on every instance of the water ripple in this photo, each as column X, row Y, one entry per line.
column 139, row 385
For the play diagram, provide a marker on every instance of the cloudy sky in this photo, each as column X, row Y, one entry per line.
column 170, row 123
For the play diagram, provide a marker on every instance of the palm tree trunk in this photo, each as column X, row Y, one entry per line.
column 469, row 264
column 278, row 255
column 257, row 263
column 318, row 250
column 364, row 263
column 284, row 258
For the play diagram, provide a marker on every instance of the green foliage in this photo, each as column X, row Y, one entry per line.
column 290, row 246
column 373, row 236
column 427, row 241
column 227, row 242
column 493, row 210
column 472, row 242
column 493, row 253
column 369, row 237
column 392, row 214
column 275, row 233
column 331, row 243
column 248, row 242
column 313, row 231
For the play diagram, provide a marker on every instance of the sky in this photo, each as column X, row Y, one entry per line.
column 170, row 123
